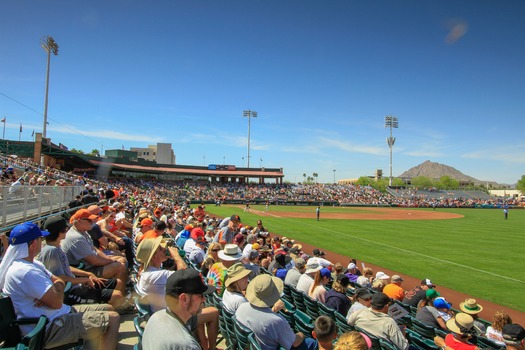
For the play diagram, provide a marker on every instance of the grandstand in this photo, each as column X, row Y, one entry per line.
column 39, row 201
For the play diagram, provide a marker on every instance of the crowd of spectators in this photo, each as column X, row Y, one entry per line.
column 123, row 222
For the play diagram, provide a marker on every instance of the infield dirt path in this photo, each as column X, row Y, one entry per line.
column 370, row 213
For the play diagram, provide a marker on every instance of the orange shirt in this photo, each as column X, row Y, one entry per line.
column 150, row 234
column 394, row 291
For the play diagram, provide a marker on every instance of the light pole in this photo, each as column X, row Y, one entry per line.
column 249, row 114
column 334, row 176
column 49, row 45
column 392, row 123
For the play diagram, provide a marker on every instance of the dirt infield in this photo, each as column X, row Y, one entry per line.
column 369, row 213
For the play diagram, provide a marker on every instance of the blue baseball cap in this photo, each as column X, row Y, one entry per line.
column 325, row 273
column 441, row 303
column 25, row 232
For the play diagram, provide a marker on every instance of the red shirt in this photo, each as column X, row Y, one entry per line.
column 450, row 341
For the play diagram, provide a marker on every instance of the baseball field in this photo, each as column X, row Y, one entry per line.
column 472, row 251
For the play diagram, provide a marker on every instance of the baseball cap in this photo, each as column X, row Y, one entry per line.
column 382, row 276
column 380, row 300
column 316, row 252
column 94, row 209
column 325, row 273
column 146, row 222
column 56, row 224
column 431, row 294
column 428, row 283
column 300, row 263
column 188, row 281
column 343, row 280
column 83, row 214
column 253, row 254
column 351, row 266
column 25, row 232
column 441, row 303
column 397, row 278
column 235, row 218
column 363, row 293
column 513, row 332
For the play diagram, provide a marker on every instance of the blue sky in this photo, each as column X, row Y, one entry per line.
column 321, row 75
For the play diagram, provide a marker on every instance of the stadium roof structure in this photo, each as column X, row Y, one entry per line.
column 60, row 157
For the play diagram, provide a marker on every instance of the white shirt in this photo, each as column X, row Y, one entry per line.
column 26, row 282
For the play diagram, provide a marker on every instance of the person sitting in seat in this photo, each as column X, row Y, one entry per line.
column 35, row 291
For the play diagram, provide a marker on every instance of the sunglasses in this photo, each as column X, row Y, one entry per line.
column 215, row 250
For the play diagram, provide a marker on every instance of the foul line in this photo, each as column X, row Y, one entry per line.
column 404, row 250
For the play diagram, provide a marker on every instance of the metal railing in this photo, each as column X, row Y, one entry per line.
column 28, row 203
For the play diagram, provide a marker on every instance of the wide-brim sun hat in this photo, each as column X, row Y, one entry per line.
column 460, row 324
column 146, row 249
column 311, row 268
column 236, row 272
column 231, row 252
column 470, row 306
column 264, row 290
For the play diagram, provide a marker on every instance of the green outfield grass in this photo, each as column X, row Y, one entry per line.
column 480, row 254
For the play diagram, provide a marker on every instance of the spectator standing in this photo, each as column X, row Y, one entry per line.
column 227, row 233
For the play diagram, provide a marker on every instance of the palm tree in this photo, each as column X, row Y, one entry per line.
column 304, row 175
column 315, row 175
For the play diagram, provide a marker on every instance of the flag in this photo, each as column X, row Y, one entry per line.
column 3, row 120
column 33, row 134
column 20, row 127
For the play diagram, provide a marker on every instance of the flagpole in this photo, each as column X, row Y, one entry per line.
column 3, row 135
column 20, row 133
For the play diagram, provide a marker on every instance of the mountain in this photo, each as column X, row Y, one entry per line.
column 436, row 170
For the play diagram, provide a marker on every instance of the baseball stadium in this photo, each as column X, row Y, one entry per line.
column 462, row 240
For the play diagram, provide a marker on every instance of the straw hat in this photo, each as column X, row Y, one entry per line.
column 146, row 249
column 231, row 252
column 461, row 324
column 236, row 272
column 264, row 290
column 469, row 306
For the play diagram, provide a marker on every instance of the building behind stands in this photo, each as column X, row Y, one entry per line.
column 132, row 164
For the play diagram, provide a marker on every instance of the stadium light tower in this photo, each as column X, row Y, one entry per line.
column 49, row 45
column 392, row 123
column 249, row 114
